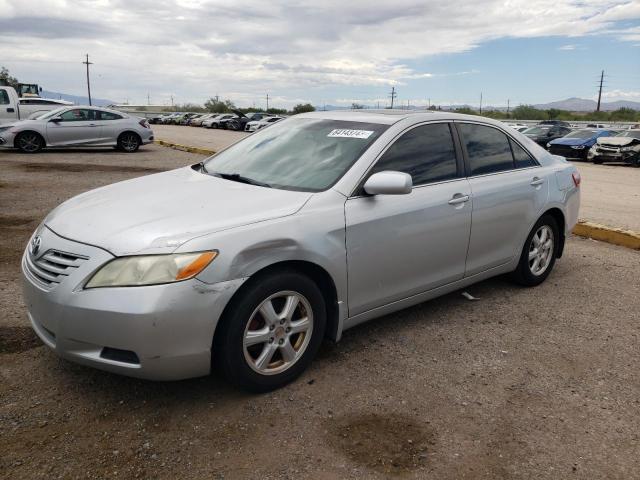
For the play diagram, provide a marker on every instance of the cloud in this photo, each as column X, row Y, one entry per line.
column 568, row 47
column 197, row 48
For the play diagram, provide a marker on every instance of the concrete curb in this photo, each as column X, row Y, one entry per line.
column 617, row 236
column 185, row 148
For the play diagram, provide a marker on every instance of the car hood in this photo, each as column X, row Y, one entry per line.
column 571, row 141
column 158, row 213
column 617, row 141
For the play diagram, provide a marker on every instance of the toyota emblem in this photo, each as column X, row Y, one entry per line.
column 35, row 245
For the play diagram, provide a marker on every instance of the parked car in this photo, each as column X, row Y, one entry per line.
column 215, row 122
column 543, row 134
column 77, row 127
column 624, row 147
column 197, row 122
column 254, row 125
column 330, row 219
column 241, row 120
column 155, row 119
column 576, row 144
column 170, row 119
column 559, row 123
column 186, row 118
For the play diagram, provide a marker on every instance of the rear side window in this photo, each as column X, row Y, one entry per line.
column 427, row 153
column 488, row 149
column 109, row 116
column 521, row 157
column 4, row 97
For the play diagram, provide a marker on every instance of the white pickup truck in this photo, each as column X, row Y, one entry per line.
column 13, row 107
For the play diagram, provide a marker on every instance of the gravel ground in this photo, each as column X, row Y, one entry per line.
column 610, row 193
column 522, row 383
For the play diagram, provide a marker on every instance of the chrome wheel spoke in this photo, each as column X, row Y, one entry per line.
column 254, row 337
column 289, row 307
column 288, row 352
column 541, row 250
column 300, row 326
column 268, row 313
column 533, row 254
column 262, row 362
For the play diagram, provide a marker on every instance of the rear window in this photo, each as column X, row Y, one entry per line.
column 4, row 97
column 488, row 149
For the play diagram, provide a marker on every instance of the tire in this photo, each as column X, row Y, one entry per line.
column 280, row 353
column 533, row 270
column 214, row 125
column 597, row 161
column 635, row 163
column 29, row 142
column 129, row 142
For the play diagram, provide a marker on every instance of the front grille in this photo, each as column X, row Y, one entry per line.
column 566, row 151
column 53, row 266
column 608, row 149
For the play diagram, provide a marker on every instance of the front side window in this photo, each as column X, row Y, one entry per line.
column 4, row 97
column 427, row 153
column 488, row 149
column 306, row 154
column 78, row 115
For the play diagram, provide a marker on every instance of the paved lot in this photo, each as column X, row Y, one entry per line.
column 522, row 383
column 610, row 193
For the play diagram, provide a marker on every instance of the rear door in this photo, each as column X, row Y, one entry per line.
column 508, row 189
column 402, row 245
column 78, row 126
column 111, row 126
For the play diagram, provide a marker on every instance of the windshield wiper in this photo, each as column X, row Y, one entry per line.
column 236, row 177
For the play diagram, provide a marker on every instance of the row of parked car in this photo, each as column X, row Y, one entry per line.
column 596, row 143
column 239, row 121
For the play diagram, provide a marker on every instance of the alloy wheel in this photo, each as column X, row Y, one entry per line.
column 129, row 143
column 278, row 333
column 541, row 250
column 29, row 142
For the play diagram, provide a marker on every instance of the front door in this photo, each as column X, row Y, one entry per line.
column 78, row 126
column 402, row 245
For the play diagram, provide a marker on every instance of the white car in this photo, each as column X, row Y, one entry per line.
column 214, row 122
column 77, row 127
column 258, row 124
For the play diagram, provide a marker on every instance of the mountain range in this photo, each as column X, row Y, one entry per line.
column 78, row 100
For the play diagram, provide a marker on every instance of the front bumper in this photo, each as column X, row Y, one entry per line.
column 160, row 332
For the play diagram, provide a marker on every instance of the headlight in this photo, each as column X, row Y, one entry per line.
column 150, row 269
column 626, row 149
column 548, row 145
column 577, row 147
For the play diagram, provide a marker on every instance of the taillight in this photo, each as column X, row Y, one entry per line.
column 143, row 123
column 576, row 178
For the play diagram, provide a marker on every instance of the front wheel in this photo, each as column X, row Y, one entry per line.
column 539, row 253
column 270, row 332
column 129, row 142
column 29, row 142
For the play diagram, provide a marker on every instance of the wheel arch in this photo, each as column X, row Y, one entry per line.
column 317, row 273
column 17, row 136
column 558, row 216
column 128, row 130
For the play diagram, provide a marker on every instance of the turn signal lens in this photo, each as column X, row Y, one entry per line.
column 196, row 266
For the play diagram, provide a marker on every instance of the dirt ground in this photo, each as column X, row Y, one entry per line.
column 523, row 383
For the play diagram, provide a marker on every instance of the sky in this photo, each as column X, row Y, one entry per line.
column 326, row 53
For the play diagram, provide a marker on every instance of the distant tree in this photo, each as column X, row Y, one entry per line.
column 302, row 108
column 466, row 111
column 189, row 107
column 219, row 106
column 277, row 111
column 357, row 106
column 433, row 107
column 7, row 79
column 624, row 115
column 528, row 112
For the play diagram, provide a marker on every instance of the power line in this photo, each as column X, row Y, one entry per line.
column 87, row 63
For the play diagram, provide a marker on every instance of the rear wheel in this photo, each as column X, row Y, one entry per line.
column 29, row 142
column 597, row 161
column 539, row 253
column 129, row 142
column 271, row 331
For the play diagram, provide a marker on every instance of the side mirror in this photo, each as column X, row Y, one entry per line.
column 56, row 119
column 389, row 183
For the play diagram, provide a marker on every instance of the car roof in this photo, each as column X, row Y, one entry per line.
column 389, row 116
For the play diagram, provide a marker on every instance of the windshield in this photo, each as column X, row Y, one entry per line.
column 631, row 133
column 537, row 130
column 582, row 134
column 51, row 113
column 305, row 154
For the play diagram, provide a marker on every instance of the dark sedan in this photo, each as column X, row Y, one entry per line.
column 543, row 134
column 577, row 143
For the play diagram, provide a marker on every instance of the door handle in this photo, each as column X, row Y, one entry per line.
column 11, row 109
column 459, row 198
column 536, row 181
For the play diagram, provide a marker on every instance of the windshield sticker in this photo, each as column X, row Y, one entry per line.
column 346, row 133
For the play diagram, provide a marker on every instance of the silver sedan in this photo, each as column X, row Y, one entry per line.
column 77, row 127
column 247, row 260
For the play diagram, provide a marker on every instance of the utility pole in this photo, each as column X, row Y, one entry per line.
column 393, row 95
column 267, row 102
column 87, row 63
column 480, row 103
column 148, row 99
column 600, row 91
column 508, row 104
